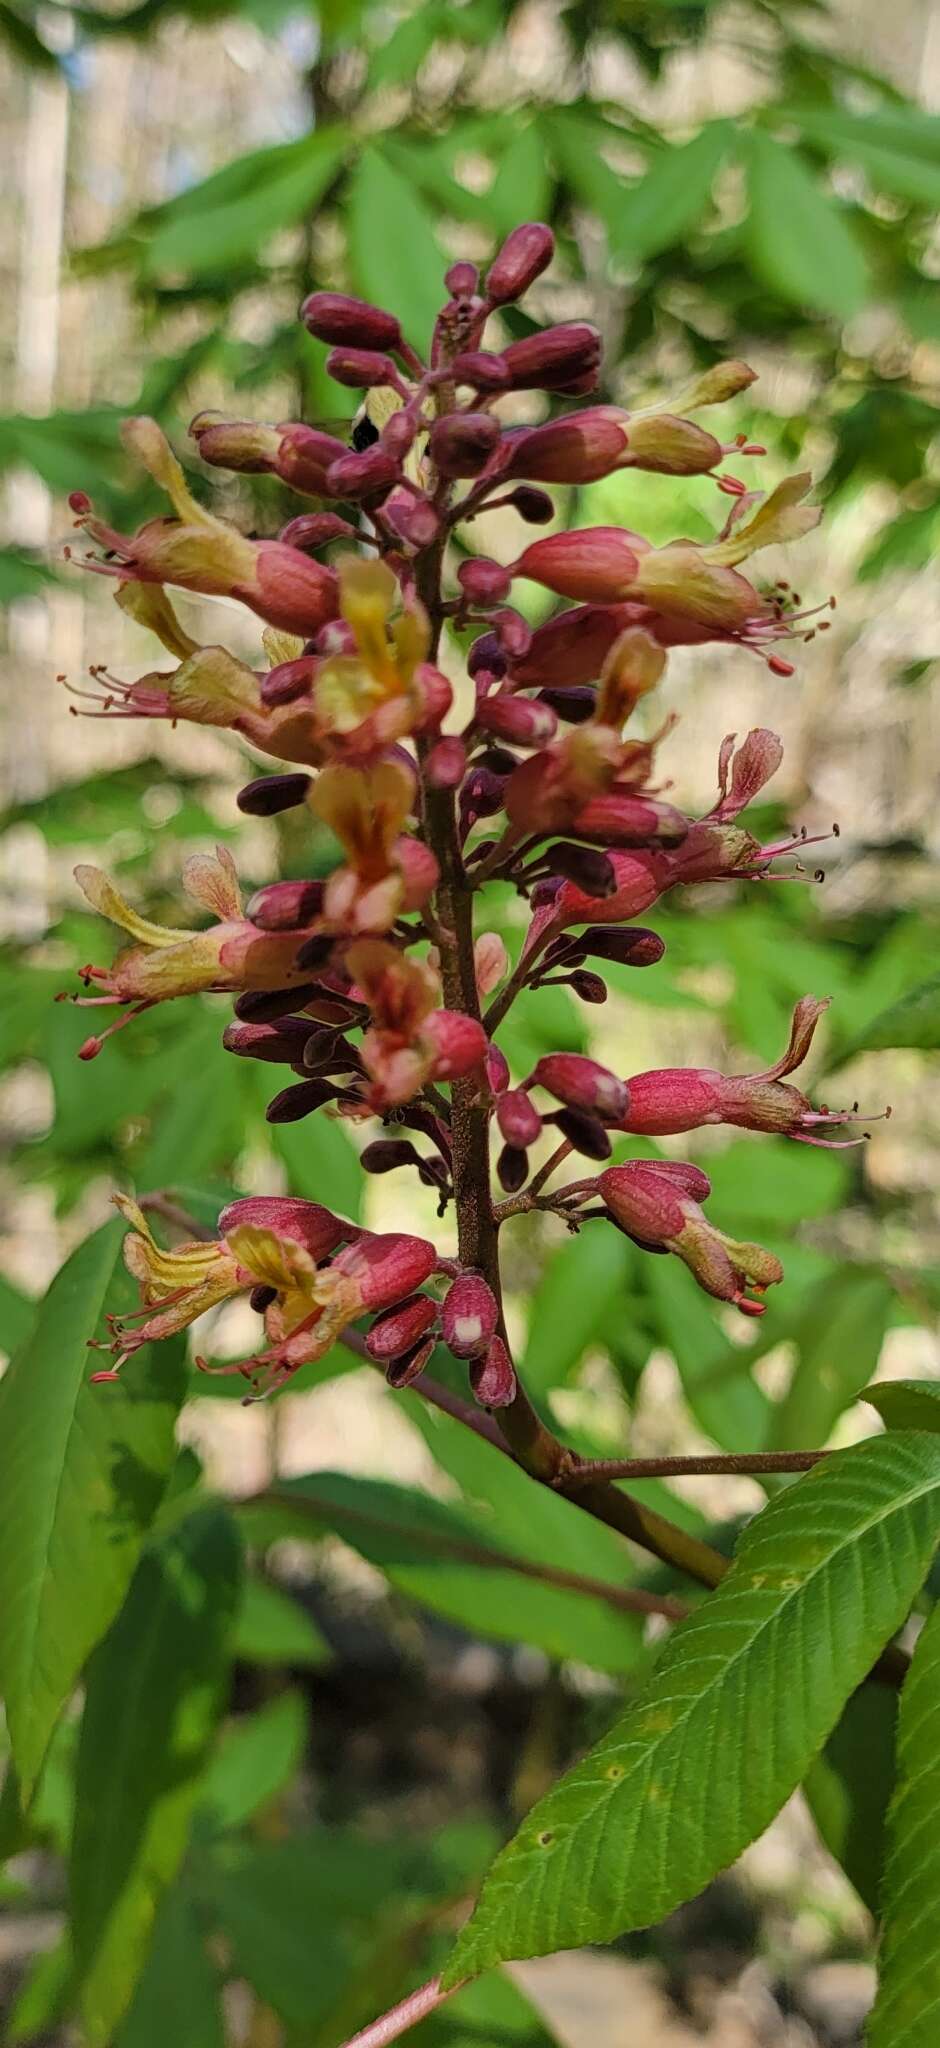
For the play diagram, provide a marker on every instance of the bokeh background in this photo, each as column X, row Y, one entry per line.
column 749, row 179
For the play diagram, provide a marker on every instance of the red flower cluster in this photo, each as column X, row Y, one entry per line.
column 369, row 987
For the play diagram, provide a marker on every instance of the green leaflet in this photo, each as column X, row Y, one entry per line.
column 850, row 1784
column 798, row 239
column 914, row 1021
column 671, row 198
column 83, row 1470
column 154, row 1693
column 838, row 1344
column 907, row 2008
column 744, row 1695
column 394, row 256
column 906, row 1404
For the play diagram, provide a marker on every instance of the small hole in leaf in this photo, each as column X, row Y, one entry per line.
column 615, row 1772
column 545, row 1838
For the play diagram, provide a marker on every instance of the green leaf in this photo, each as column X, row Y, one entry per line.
column 322, row 1164
column 466, row 1565
column 578, row 1292
column 744, row 1695
column 850, row 1783
column 23, row 574
column 393, row 253
column 272, row 1627
column 257, row 1756
column 154, row 1692
column 577, row 142
column 521, row 187
column 897, row 154
column 907, row 2007
column 914, row 1022
column 177, row 1998
column 906, row 1404
column 397, row 60
column 798, row 240
column 670, row 200
column 839, row 1342
column 732, row 1409
column 83, row 1470
column 17, row 1315
column 42, row 1996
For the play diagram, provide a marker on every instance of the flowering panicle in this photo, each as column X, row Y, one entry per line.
column 371, row 987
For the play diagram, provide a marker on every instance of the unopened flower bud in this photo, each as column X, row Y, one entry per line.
column 462, row 280
column 590, row 987
column 386, row 1155
column 518, row 1118
column 360, row 369
column 593, row 873
column 403, row 1371
column 715, row 386
column 244, row 445
column 469, row 1316
column 334, row 316
column 482, row 370
column 586, row 1133
column 281, row 1043
column 273, row 793
column 513, row 632
column 389, row 1266
column 526, row 252
column 486, row 657
column 399, row 432
column 315, row 952
column 288, row 681
column 635, row 946
column 459, row 1043
column 362, row 476
column 512, row 1169
column 446, row 763
column 492, row 1379
column 574, row 706
column 482, row 581
column 461, row 443
column 264, row 1006
column 313, row 530
column 551, row 359
column 596, row 563
column 285, row 906
column 575, row 448
column 522, row 719
column 398, row 1328
column 532, row 505
column 496, row 1068
column 412, row 517
column 293, row 1103
column 305, row 454
column 582, row 1083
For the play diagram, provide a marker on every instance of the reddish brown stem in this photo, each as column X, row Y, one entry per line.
column 694, row 1465
column 401, row 2017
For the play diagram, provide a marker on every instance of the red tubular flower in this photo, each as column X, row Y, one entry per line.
column 556, row 359
column 657, row 1202
column 409, row 1041
column 597, row 563
column 523, row 257
column 582, row 1084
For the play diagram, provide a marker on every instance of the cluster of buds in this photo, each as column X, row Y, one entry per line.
column 371, row 986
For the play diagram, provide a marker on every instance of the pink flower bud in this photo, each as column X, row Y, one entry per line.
column 496, row 1067
column 305, row 454
column 553, row 358
column 419, row 871
column 513, row 632
column 461, row 443
column 402, row 1326
column 362, row 476
column 523, row 257
column 289, row 590
column 462, row 280
column 313, row 530
column 483, row 582
column 522, row 719
column 617, row 818
column 596, row 563
column 459, row 1043
column 447, row 763
column 285, row 906
column 388, row 1267
column 583, row 1084
column 271, row 794
column 469, row 1316
column 672, row 1099
column 575, row 448
column 400, row 432
column 334, row 316
column 360, row 369
column 411, row 516
column 305, row 1223
column 492, row 1379
column 518, row 1118
column 485, row 372
column 570, row 650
